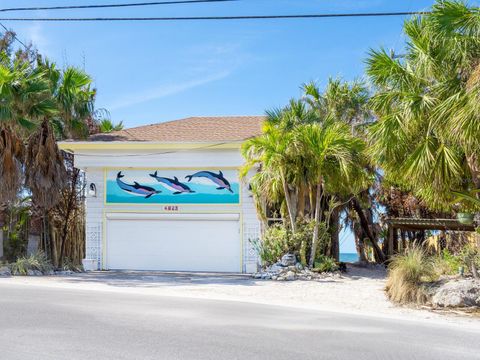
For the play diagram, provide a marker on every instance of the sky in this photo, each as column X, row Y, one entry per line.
column 149, row 72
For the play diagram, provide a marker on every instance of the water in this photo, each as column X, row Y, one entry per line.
column 348, row 257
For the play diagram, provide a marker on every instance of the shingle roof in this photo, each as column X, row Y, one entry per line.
column 192, row 129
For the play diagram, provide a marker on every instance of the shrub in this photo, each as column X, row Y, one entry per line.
column 69, row 265
column 407, row 276
column 325, row 264
column 446, row 263
column 279, row 240
column 37, row 261
column 471, row 258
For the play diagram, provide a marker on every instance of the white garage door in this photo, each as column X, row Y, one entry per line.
column 173, row 242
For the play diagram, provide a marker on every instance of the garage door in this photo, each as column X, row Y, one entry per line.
column 173, row 242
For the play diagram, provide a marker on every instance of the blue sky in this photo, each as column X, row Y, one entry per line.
column 151, row 72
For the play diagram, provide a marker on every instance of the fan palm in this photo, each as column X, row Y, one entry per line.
column 426, row 136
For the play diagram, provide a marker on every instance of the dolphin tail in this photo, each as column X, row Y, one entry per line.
column 119, row 175
column 154, row 175
column 188, row 177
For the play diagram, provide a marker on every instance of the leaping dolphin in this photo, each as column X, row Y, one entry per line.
column 217, row 179
column 136, row 188
column 172, row 184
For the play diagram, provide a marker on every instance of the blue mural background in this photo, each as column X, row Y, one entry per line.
column 206, row 191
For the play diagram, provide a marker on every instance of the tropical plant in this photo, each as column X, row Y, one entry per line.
column 325, row 264
column 107, row 126
column 426, row 136
column 35, row 262
column 407, row 275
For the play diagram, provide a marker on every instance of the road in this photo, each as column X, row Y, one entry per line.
column 69, row 324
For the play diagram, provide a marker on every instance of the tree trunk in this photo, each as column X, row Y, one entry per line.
column 359, row 243
column 315, row 228
column 366, row 229
column 474, row 166
column 335, row 243
column 289, row 203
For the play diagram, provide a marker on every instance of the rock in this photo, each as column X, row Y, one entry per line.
column 292, row 268
column 299, row 266
column 288, row 260
column 457, row 293
column 274, row 277
column 34, row 272
column 257, row 275
column 5, row 271
column 281, row 278
column 290, row 276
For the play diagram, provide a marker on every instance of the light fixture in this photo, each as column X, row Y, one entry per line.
column 92, row 190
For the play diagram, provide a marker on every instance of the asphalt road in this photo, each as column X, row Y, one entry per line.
column 50, row 324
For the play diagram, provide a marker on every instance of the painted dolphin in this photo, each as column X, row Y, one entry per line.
column 218, row 179
column 136, row 188
column 172, row 184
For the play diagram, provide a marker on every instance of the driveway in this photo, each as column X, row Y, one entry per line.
column 58, row 323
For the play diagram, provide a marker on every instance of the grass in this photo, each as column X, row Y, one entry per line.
column 37, row 261
column 408, row 273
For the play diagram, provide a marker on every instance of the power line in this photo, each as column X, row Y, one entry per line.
column 246, row 17
column 14, row 36
column 98, row 6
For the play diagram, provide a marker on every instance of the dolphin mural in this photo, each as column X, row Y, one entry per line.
column 217, row 179
column 136, row 188
column 172, row 184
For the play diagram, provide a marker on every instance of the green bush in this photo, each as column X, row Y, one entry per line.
column 446, row 263
column 278, row 240
column 69, row 265
column 37, row 261
column 325, row 264
column 407, row 276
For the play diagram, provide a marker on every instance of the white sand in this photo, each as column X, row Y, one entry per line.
column 360, row 291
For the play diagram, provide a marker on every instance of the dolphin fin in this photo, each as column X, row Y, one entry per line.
column 230, row 190
column 154, row 175
column 146, row 197
column 177, row 192
column 175, row 178
column 220, row 188
column 220, row 173
column 137, row 185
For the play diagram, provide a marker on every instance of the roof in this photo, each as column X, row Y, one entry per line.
column 193, row 129
column 429, row 224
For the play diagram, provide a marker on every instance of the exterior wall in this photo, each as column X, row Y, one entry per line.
column 94, row 163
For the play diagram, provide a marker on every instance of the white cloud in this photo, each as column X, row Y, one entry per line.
column 165, row 90
column 35, row 34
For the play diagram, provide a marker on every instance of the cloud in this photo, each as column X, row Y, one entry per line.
column 35, row 34
column 165, row 90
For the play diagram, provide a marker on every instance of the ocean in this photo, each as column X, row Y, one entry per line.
column 348, row 257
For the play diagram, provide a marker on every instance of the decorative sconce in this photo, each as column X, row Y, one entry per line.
column 92, row 190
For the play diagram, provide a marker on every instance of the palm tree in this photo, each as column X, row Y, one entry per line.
column 334, row 164
column 426, row 136
column 107, row 126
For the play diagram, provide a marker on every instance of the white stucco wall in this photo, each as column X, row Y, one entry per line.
column 95, row 162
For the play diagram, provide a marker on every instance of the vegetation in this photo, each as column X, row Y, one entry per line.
column 408, row 146
column 35, row 262
column 407, row 275
column 41, row 104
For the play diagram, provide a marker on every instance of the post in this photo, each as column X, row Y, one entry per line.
column 391, row 234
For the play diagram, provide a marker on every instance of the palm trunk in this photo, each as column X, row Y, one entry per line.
column 318, row 206
column 289, row 203
column 380, row 257
column 474, row 166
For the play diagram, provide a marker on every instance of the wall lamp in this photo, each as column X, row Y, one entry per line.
column 92, row 190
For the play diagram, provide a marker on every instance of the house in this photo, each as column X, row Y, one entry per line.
column 168, row 196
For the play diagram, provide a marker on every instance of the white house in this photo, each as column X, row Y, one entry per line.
column 168, row 196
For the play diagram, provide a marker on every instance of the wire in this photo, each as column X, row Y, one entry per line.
column 246, row 17
column 70, row 7
column 14, row 36
column 149, row 154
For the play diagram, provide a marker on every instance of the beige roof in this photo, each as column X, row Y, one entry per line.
column 192, row 129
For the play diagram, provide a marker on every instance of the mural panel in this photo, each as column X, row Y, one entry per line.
column 209, row 186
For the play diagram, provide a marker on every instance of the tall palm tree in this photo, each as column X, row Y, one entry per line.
column 427, row 104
